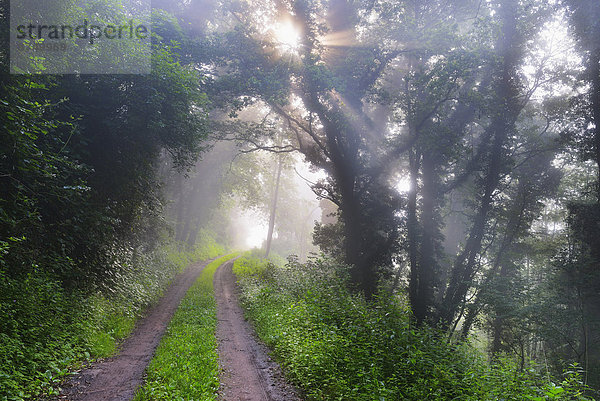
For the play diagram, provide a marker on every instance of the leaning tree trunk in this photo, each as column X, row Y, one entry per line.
column 501, row 126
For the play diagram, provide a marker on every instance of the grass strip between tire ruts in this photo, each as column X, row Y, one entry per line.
column 186, row 366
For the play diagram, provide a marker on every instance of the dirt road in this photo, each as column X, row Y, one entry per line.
column 117, row 378
column 247, row 372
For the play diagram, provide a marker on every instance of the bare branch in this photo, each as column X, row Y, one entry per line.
column 304, row 128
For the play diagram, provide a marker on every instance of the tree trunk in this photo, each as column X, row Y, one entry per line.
column 594, row 71
column 501, row 126
column 179, row 220
column 422, row 238
column 510, row 235
column 430, row 234
column 499, row 319
column 274, row 206
column 418, row 309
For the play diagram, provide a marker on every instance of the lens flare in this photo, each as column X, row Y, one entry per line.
column 286, row 36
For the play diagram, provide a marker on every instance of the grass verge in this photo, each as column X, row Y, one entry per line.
column 110, row 315
column 186, row 366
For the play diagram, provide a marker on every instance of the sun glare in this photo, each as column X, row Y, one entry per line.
column 287, row 36
column 403, row 185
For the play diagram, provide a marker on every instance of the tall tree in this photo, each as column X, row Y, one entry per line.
column 375, row 90
column 94, row 142
column 504, row 109
column 584, row 216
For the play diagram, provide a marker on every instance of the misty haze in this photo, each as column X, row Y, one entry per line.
column 285, row 200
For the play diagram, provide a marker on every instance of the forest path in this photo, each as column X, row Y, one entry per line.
column 247, row 372
column 117, row 378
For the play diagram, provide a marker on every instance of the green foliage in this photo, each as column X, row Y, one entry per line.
column 80, row 208
column 78, row 174
column 35, row 328
column 336, row 346
column 45, row 331
column 207, row 247
column 249, row 266
column 185, row 366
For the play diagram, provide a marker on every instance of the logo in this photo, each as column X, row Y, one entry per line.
column 80, row 37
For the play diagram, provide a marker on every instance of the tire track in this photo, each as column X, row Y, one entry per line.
column 117, row 378
column 247, row 372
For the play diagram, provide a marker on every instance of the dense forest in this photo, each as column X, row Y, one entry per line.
column 429, row 169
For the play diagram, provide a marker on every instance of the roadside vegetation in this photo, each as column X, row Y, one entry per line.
column 82, row 210
column 336, row 346
column 453, row 148
column 50, row 331
column 186, row 363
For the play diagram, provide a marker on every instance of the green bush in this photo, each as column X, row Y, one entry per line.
column 206, row 247
column 336, row 346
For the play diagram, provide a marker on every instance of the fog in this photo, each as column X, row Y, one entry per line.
column 230, row 193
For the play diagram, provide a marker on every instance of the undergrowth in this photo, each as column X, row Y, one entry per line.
column 185, row 366
column 336, row 346
column 46, row 330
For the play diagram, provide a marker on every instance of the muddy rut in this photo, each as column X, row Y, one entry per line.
column 117, row 378
column 247, row 372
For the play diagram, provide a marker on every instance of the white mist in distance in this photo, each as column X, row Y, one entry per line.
column 256, row 229
column 250, row 228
